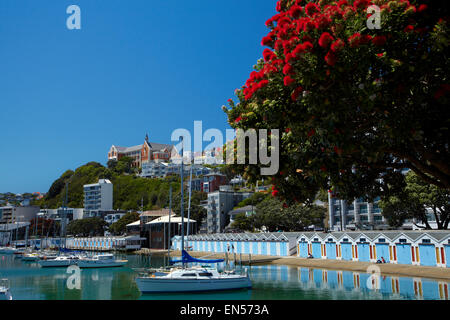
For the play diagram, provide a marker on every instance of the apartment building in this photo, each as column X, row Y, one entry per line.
column 155, row 169
column 12, row 214
column 98, row 198
column 220, row 203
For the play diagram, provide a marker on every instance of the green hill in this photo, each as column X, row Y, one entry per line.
column 129, row 189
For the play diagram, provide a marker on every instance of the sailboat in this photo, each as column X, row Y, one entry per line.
column 191, row 279
column 5, row 294
column 9, row 249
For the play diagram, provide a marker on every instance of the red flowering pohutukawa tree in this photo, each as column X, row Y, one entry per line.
column 354, row 104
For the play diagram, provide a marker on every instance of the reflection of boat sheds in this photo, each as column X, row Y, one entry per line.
column 158, row 230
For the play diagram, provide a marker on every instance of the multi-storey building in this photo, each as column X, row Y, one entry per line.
column 358, row 214
column 212, row 182
column 98, row 198
column 12, row 214
column 162, row 169
column 220, row 203
column 146, row 152
column 111, row 218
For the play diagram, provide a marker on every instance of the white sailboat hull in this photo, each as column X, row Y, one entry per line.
column 56, row 263
column 30, row 258
column 167, row 285
column 8, row 250
column 101, row 264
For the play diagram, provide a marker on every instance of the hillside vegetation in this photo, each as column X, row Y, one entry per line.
column 129, row 189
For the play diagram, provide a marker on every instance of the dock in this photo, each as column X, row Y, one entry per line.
column 244, row 259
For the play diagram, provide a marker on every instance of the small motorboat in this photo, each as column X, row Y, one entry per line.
column 101, row 261
column 5, row 294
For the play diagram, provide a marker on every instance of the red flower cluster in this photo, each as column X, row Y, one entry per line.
column 300, row 28
column 295, row 94
column 325, row 40
column 274, row 191
column 331, row 58
column 337, row 45
column 379, row 40
column 288, row 81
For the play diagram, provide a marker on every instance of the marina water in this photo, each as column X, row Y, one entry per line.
column 28, row 281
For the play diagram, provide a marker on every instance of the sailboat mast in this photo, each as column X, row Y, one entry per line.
column 189, row 203
column 182, row 200
column 170, row 213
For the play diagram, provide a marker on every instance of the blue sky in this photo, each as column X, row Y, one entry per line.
column 135, row 66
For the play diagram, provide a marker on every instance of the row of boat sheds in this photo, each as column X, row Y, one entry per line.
column 424, row 248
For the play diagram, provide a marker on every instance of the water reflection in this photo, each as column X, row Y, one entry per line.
column 30, row 282
column 307, row 283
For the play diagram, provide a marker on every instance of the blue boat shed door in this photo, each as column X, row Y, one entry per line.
column 382, row 251
column 316, row 250
column 404, row 253
column 427, row 254
column 331, row 250
column 303, row 249
column 346, row 251
column 364, row 252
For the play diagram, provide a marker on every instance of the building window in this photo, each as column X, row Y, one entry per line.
column 363, row 208
column 376, row 208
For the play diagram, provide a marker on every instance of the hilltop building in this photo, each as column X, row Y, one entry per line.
column 143, row 153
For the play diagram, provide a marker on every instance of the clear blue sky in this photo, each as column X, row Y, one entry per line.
column 136, row 66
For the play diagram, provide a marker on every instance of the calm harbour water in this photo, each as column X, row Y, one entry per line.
column 30, row 282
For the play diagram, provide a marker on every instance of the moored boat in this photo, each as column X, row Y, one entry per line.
column 193, row 280
column 5, row 294
column 31, row 257
column 61, row 261
column 8, row 250
column 101, row 261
